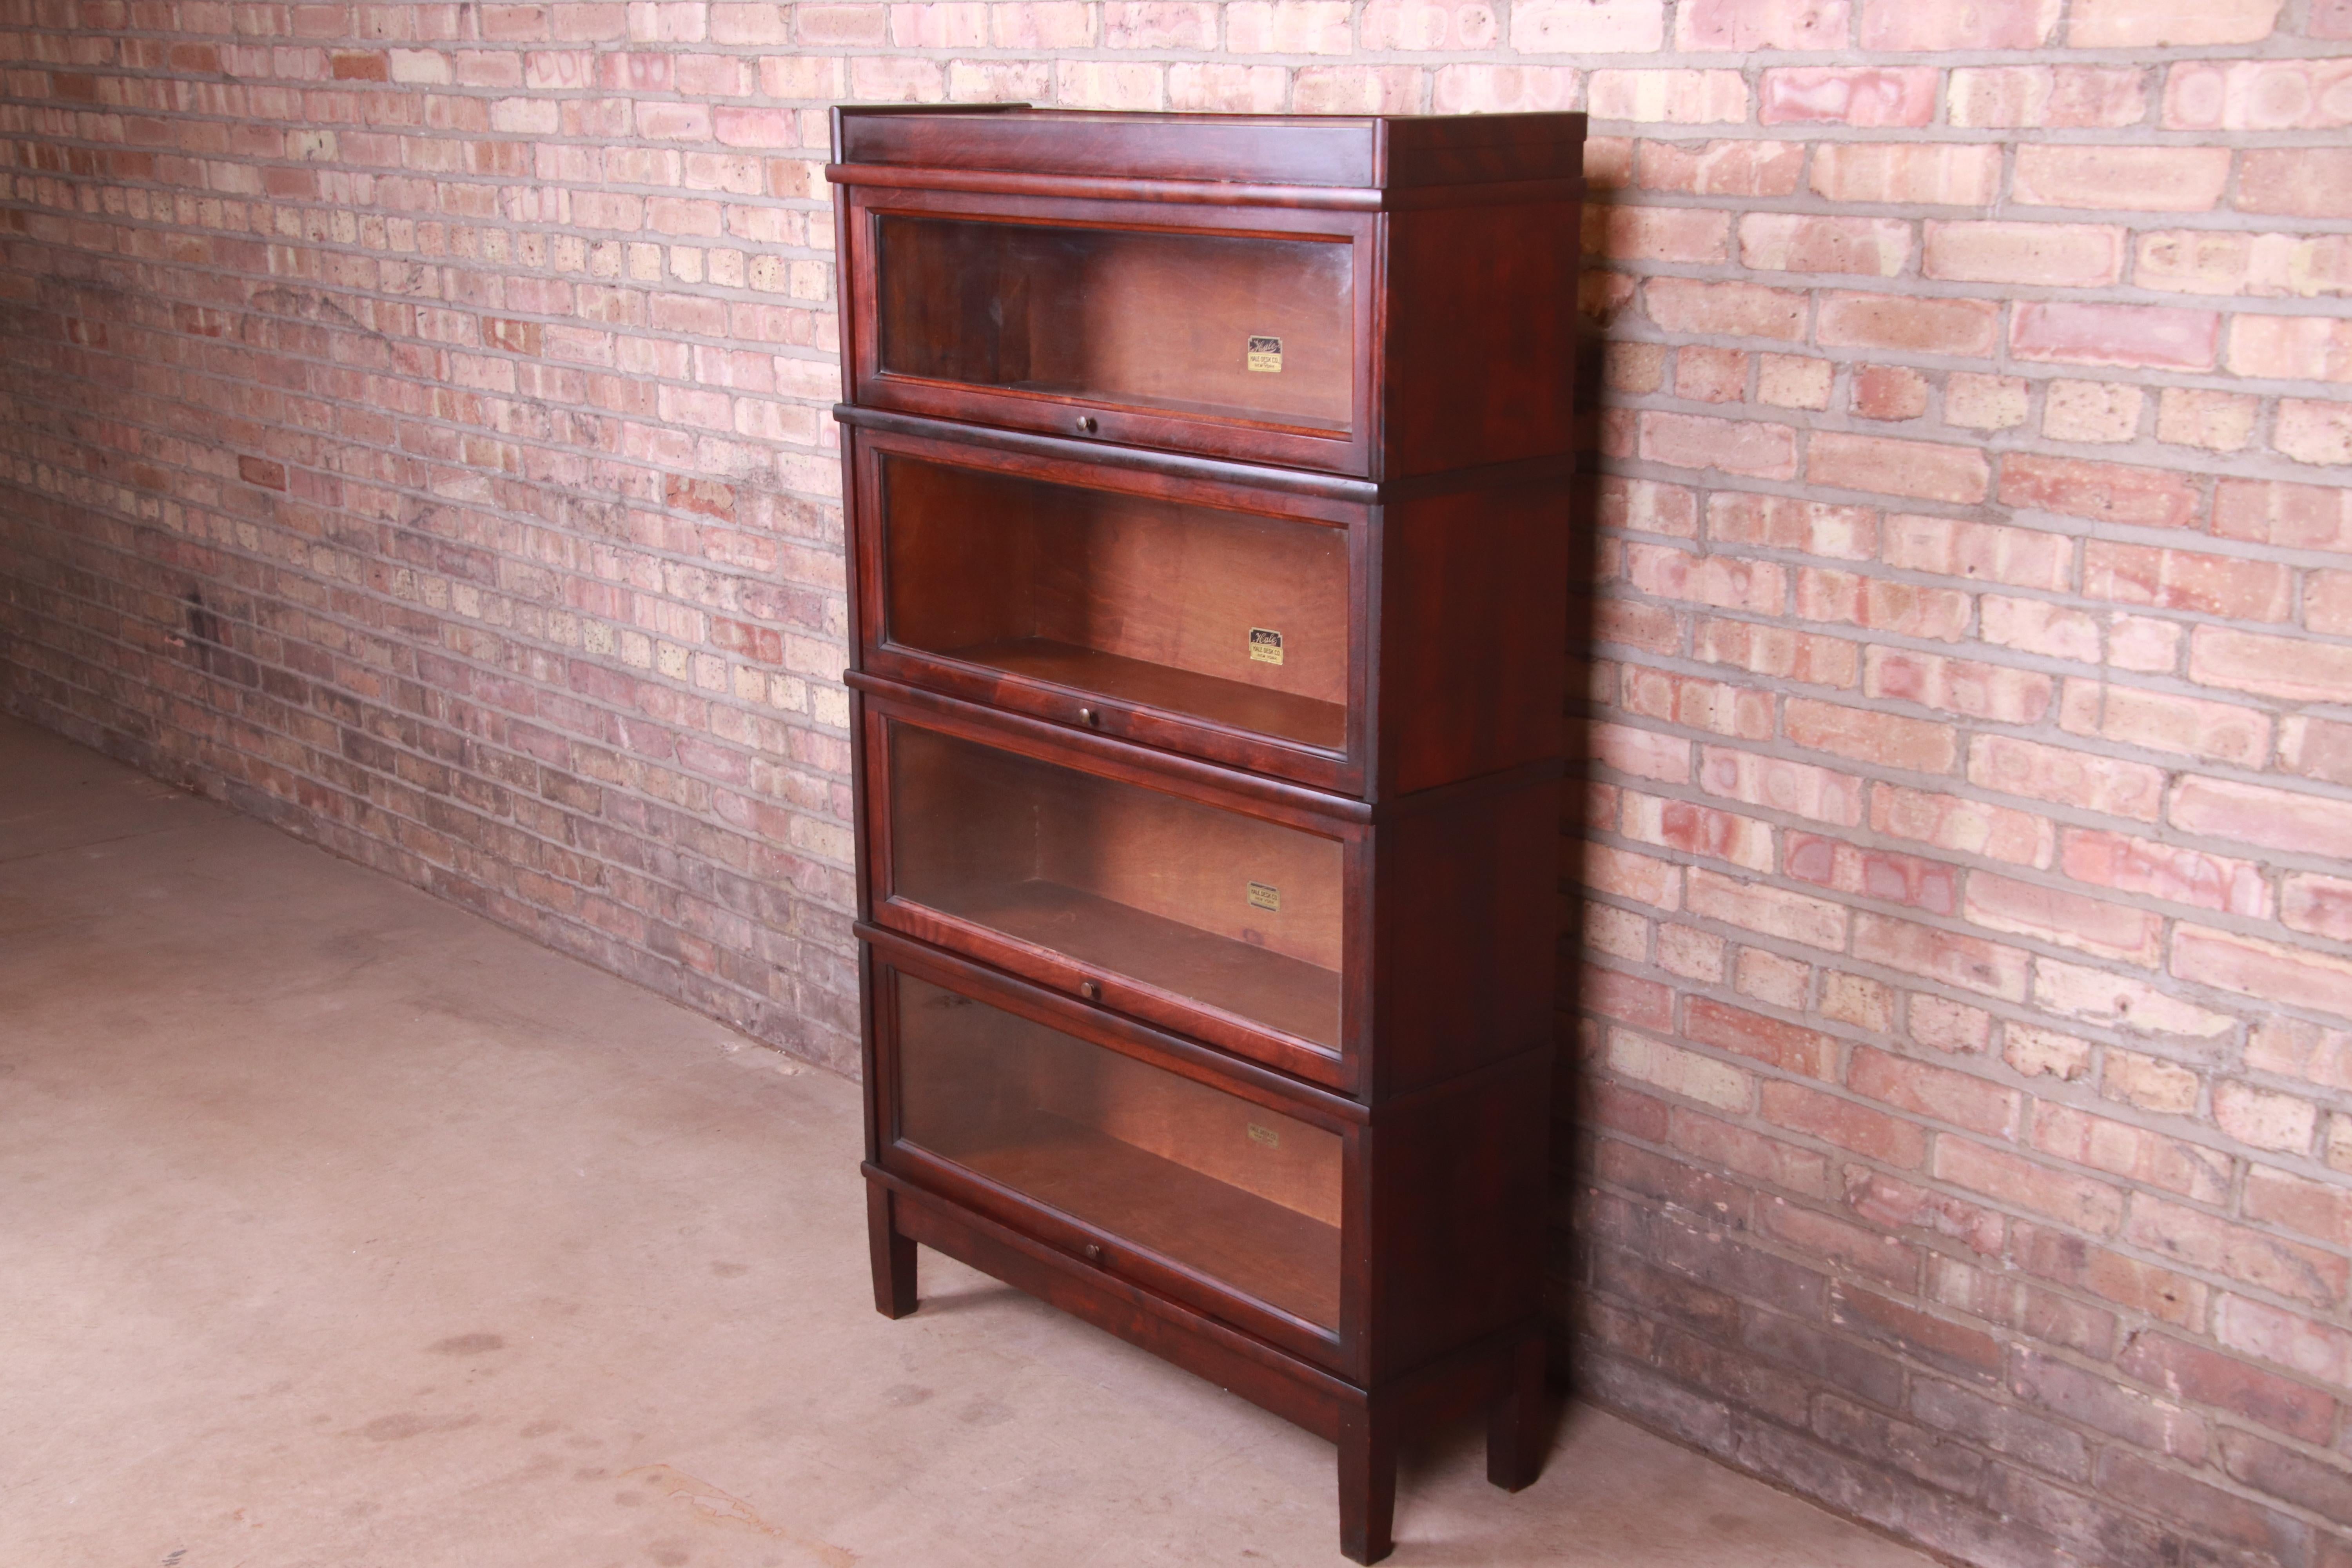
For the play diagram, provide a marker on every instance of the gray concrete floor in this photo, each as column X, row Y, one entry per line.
column 339, row 1227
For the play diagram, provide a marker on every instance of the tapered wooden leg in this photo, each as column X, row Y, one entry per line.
column 1516, row 1428
column 894, row 1255
column 1368, row 1461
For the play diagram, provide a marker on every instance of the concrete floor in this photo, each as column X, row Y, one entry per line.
column 344, row 1229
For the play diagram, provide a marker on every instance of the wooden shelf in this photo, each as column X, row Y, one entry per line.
column 1285, row 993
column 1236, row 704
column 1285, row 1258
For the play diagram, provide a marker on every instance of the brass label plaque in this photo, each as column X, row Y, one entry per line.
column 1262, row 897
column 1265, row 646
column 1266, row 1135
column 1266, row 354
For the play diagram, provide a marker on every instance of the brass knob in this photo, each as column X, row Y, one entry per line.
column 1091, row 717
column 1086, row 424
column 1090, row 989
column 1094, row 1252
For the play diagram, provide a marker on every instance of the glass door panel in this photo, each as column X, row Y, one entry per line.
column 1203, row 325
column 1217, row 909
column 1220, row 1184
column 1237, row 619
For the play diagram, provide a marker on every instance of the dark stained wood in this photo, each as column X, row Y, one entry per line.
column 1207, row 998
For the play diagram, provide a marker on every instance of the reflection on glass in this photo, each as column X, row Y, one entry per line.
column 1241, row 1193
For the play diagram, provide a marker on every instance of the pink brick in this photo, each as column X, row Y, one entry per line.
column 2169, row 24
column 2066, row 97
column 2078, row 1201
column 1974, row 691
column 1636, row 877
column 1924, row 1090
column 1698, row 830
column 1983, row 25
column 2259, row 95
column 2217, row 1246
column 2080, row 779
column 1603, row 26
column 1711, row 376
column 2149, row 335
column 1797, row 242
column 2294, row 668
column 1968, row 827
column 1889, row 391
column 2105, row 492
column 2269, row 970
column 1934, row 175
column 1712, row 705
column 1781, row 522
column 1916, row 468
column 2020, row 557
column 1193, row 25
column 1802, row 657
column 1739, row 447
column 1742, row 309
column 2120, row 1149
column 2273, row 266
column 1847, row 1123
column 2162, row 721
column 2299, row 517
column 1648, row 507
column 1741, row 27
column 1871, row 873
column 1879, row 604
column 2136, row 179
column 1967, row 961
column 2285, row 1338
column 1847, row 95
column 1724, row 581
column 2313, row 432
column 2068, row 920
column 1868, row 735
column 2256, row 814
column 1672, row 96
column 1787, row 1046
column 2183, row 580
column 1910, row 324
column 2050, row 255
column 2037, row 625
column 2297, row 182
column 1741, row 168
column 1658, row 234
column 1797, row 788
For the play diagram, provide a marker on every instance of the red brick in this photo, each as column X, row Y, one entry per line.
column 2317, row 906
column 2285, row 1338
column 1871, row 873
column 2069, row 919
column 2275, row 972
column 1973, row 827
column 1751, row 447
column 2086, row 1205
column 2094, row 1400
column 2316, row 749
column 2169, row 871
column 1783, row 1045
column 2083, row 1265
column 2078, row 779
column 2134, row 179
column 1647, row 507
column 1910, row 324
column 1698, row 830
column 1775, row 651
column 2290, row 1476
column 1973, row 690
column 2218, row 1245
column 1799, row 242
column 1890, row 1140
column 1726, row 581
column 1925, row 174
column 1636, row 877
column 1757, row 907
column 1614, row 994
column 1917, row 468
column 2023, row 557
column 2315, row 432
column 1947, row 1026
column 2280, row 1122
column 1678, row 1071
column 2291, row 348
column 1768, row 1159
column 1657, row 234
column 261, row 471
column 1711, row 376
column 1643, row 752
column 1968, row 962
column 2046, row 255
column 2294, row 669
column 1797, row 788
column 1847, row 95
column 2066, row 97
column 2120, row 1149
column 2104, row 492
column 1865, row 1251
column 1738, row 168
column 1784, row 523
column 1869, row 735
column 1698, row 704
column 2328, row 603
column 2158, row 336
column 2178, row 580
column 1735, row 309
column 1924, row 1090
column 1889, row 391
column 2297, row 182
column 1896, row 1203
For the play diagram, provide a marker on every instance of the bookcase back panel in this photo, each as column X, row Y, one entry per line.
column 1225, row 911
column 1231, row 1189
column 1237, row 619
column 1221, row 326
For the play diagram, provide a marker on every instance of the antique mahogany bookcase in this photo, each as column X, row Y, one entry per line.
column 1209, row 539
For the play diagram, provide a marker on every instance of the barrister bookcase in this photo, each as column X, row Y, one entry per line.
column 1206, row 483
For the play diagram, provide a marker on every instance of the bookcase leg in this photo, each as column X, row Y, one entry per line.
column 1368, row 1462
column 894, row 1255
column 1516, row 1427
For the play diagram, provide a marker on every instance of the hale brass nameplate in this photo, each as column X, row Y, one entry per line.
column 1265, row 646
column 1262, row 897
column 1266, row 354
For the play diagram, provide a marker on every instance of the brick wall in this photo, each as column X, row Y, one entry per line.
column 414, row 434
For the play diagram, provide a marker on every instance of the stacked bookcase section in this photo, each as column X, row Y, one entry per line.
column 1207, row 495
